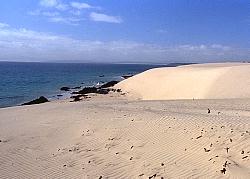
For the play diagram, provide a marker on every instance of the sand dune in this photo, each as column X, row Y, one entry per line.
column 111, row 136
column 200, row 81
column 115, row 138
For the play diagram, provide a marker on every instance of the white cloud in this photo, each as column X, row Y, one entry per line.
column 104, row 18
column 79, row 5
column 54, row 4
column 53, row 10
column 3, row 25
column 44, row 13
column 49, row 3
column 62, row 7
column 27, row 45
column 218, row 46
column 65, row 20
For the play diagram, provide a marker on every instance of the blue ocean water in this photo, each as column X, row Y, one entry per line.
column 22, row 82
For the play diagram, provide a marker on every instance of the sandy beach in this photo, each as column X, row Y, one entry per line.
column 182, row 122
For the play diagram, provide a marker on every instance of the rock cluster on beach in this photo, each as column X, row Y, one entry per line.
column 104, row 89
column 39, row 100
column 79, row 95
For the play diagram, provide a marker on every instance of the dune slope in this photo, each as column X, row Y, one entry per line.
column 200, row 81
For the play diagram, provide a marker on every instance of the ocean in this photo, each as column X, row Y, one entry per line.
column 22, row 82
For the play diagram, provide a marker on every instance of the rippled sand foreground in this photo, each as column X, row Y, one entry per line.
column 111, row 137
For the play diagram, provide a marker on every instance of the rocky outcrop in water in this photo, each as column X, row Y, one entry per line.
column 86, row 90
column 127, row 76
column 65, row 88
column 109, row 84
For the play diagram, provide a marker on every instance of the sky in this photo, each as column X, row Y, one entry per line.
column 125, row 31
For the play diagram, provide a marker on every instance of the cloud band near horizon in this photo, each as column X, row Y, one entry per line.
column 27, row 45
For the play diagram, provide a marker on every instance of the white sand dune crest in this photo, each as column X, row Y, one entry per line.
column 200, row 81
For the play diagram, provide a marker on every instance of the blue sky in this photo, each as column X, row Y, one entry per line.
column 125, row 31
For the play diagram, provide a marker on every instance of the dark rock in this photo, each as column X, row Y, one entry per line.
column 99, row 90
column 101, row 76
column 127, row 76
column 112, row 89
column 244, row 157
column 42, row 99
column 65, row 88
column 75, row 92
column 109, row 84
column 206, row 150
column 198, row 137
column 118, row 90
column 153, row 176
column 78, row 97
column 103, row 91
column 59, row 95
column 223, row 171
column 86, row 90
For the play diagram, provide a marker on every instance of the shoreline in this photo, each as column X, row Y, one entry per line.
column 64, row 94
column 82, row 76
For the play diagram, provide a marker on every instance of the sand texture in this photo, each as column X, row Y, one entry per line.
column 200, row 81
column 126, row 139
